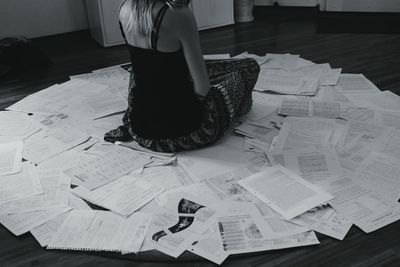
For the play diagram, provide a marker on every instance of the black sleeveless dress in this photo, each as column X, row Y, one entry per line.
column 164, row 114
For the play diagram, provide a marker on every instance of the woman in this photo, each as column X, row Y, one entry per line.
column 176, row 100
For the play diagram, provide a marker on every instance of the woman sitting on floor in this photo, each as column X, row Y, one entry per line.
column 177, row 101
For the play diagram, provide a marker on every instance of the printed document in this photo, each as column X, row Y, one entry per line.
column 11, row 157
column 326, row 221
column 20, row 223
column 276, row 227
column 45, row 145
column 56, row 192
column 93, row 173
column 17, row 125
column 315, row 166
column 356, row 85
column 123, row 196
column 369, row 211
column 174, row 229
column 166, row 176
column 380, row 174
column 44, row 233
column 284, row 191
column 284, row 82
column 209, row 246
column 306, row 108
column 299, row 133
column 20, row 185
column 101, row 231
column 241, row 231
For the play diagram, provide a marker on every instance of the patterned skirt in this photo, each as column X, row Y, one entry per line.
column 232, row 82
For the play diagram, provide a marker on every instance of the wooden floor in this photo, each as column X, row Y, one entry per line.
column 377, row 56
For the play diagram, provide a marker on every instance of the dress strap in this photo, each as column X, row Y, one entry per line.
column 122, row 31
column 157, row 23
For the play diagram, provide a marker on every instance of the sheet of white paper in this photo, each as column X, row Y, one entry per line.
column 281, row 61
column 241, row 232
column 326, row 221
column 54, row 121
column 174, row 230
column 209, row 246
column 45, row 145
column 263, row 133
column 217, row 159
column 20, row 185
column 45, row 232
column 299, row 133
column 225, row 186
column 356, row 85
column 97, row 128
column 305, row 108
column 284, row 82
column 11, row 157
column 20, row 223
column 376, row 221
column 123, row 196
column 359, row 114
column 275, row 226
column 389, row 144
column 106, row 103
column 385, row 100
column 200, row 191
column 166, row 176
column 333, row 94
column 389, row 119
column 380, row 174
column 101, row 231
column 316, row 166
column 77, row 203
column 284, row 191
column 56, row 192
column 369, row 211
column 355, row 129
column 240, row 227
column 17, row 125
column 99, row 171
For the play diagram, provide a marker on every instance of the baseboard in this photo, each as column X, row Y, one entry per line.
column 358, row 22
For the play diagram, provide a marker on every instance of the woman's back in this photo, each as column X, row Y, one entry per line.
column 167, row 41
column 163, row 101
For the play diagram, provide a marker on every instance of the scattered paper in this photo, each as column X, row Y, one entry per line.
column 124, row 196
column 11, row 157
column 284, row 191
column 101, row 231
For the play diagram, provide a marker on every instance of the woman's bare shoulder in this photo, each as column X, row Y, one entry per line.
column 180, row 20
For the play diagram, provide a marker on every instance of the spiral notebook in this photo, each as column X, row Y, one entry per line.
column 96, row 230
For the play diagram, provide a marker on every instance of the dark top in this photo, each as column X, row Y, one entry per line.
column 163, row 101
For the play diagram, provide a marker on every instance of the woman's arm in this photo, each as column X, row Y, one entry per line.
column 183, row 25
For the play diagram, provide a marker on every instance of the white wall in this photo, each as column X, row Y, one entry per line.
column 33, row 18
column 363, row 5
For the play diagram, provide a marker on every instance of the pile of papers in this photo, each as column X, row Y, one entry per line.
column 318, row 152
